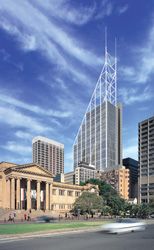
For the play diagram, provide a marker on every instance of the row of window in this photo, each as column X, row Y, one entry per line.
column 61, row 206
column 62, row 192
column 145, row 193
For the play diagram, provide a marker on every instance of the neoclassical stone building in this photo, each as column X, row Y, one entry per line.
column 30, row 186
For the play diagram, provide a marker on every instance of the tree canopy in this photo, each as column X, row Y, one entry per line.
column 110, row 202
column 110, row 196
column 88, row 202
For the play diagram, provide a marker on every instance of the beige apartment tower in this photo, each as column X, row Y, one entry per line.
column 48, row 154
column 146, row 160
column 119, row 179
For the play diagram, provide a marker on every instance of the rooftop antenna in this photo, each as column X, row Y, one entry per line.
column 115, row 47
column 106, row 44
column 115, row 70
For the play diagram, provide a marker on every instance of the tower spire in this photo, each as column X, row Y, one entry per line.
column 115, row 63
column 91, row 142
column 105, row 44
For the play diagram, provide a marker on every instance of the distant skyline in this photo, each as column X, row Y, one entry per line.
column 52, row 52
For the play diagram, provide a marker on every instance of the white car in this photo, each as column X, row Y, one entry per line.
column 124, row 225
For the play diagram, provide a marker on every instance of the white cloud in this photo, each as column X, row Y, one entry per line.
column 16, row 119
column 81, row 15
column 127, row 72
column 37, row 31
column 24, row 135
column 17, row 148
column 134, row 95
column 29, row 42
column 104, row 9
column 144, row 55
column 33, row 108
column 61, row 9
column 122, row 9
column 17, row 159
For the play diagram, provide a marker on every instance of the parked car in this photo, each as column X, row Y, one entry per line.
column 151, row 216
column 124, row 225
column 45, row 218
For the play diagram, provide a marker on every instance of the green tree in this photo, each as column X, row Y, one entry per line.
column 88, row 202
column 106, row 210
column 151, row 205
column 110, row 196
column 134, row 209
column 144, row 211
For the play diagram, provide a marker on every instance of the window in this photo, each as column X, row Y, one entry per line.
column 61, row 206
column 70, row 193
column 69, row 206
column 54, row 191
column 77, row 194
column 61, row 192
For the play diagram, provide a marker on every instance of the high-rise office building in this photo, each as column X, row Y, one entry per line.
column 146, row 160
column 132, row 165
column 84, row 172
column 99, row 138
column 69, row 177
column 48, row 154
column 81, row 174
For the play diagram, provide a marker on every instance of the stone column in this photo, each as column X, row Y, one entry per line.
column 47, row 196
column 38, row 195
column 12, row 193
column 50, row 200
column 6, row 194
column 28, row 194
column 18, row 194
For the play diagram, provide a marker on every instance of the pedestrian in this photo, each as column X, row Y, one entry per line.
column 9, row 217
column 28, row 218
column 25, row 216
column 12, row 217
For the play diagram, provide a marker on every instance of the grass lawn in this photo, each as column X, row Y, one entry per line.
column 36, row 227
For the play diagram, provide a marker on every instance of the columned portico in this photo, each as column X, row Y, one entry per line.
column 29, row 187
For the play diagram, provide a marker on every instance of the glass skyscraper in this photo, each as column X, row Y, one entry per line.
column 99, row 141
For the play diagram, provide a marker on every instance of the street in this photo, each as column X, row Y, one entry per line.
column 88, row 241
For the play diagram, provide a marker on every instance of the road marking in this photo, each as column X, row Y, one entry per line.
column 9, row 240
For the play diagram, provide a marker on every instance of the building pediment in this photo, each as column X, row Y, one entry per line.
column 32, row 169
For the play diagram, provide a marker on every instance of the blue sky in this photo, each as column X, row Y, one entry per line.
column 51, row 55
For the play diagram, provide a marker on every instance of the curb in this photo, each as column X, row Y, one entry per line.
column 46, row 234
